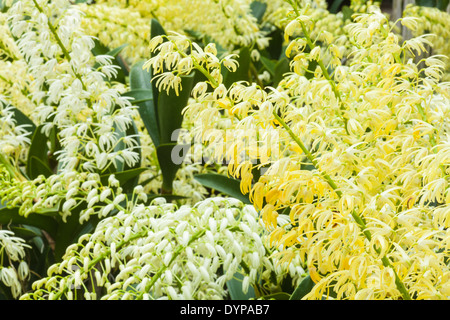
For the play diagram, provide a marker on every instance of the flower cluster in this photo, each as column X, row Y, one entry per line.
column 228, row 23
column 435, row 22
column 13, row 138
column 372, row 213
column 87, row 112
column 11, row 275
column 163, row 252
column 115, row 26
column 344, row 157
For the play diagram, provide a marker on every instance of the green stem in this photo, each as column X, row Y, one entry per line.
column 63, row 48
column 320, row 62
column 308, row 154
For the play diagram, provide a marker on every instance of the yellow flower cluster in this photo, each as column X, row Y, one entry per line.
column 432, row 21
column 227, row 22
column 346, row 161
column 371, row 219
column 115, row 26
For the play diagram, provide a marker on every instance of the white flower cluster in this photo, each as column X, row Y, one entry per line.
column 63, row 193
column 14, row 248
column 13, row 137
column 88, row 113
column 163, row 252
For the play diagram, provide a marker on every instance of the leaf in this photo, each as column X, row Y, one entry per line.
column 442, row 4
column 156, row 29
column 268, row 64
column 38, row 167
column 275, row 48
column 169, row 110
column 258, row 9
column 124, row 176
column 347, row 12
column 115, row 52
column 131, row 131
column 39, row 150
column 235, row 288
column 242, row 72
column 22, row 119
column 139, row 95
column 140, row 78
column 142, row 91
column 426, row 3
column 302, row 289
column 24, row 232
column 120, row 62
column 168, row 167
column 312, row 65
column 224, row 184
column 100, row 49
column 281, row 68
column 70, row 231
column 11, row 215
column 276, row 296
column 334, row 8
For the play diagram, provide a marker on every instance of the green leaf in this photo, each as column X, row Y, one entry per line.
column 224, row 184
column 312, row 65
column 235, row 288
column 442, row 4
column 122, row 72
column 275, row 48
column 22, row 119
column 347, row 12
column 276, row 296
column 38, row 167
column 426, row 3
column 131, row 131
column 39, row 150
column 156, row 29
column 170, row 107
column 140, row 78
column 24, row 232
column 142, row 91
column 242, row 72
column 302, row 289
column 269, row 65
column 139, row 95
column 334, row 8
column 258, row 9
column 115, row 52
column 281, row 68
column 99, row 48
column 70, row 231
column 168, row 167
column 124, row 176
column 11, row 215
